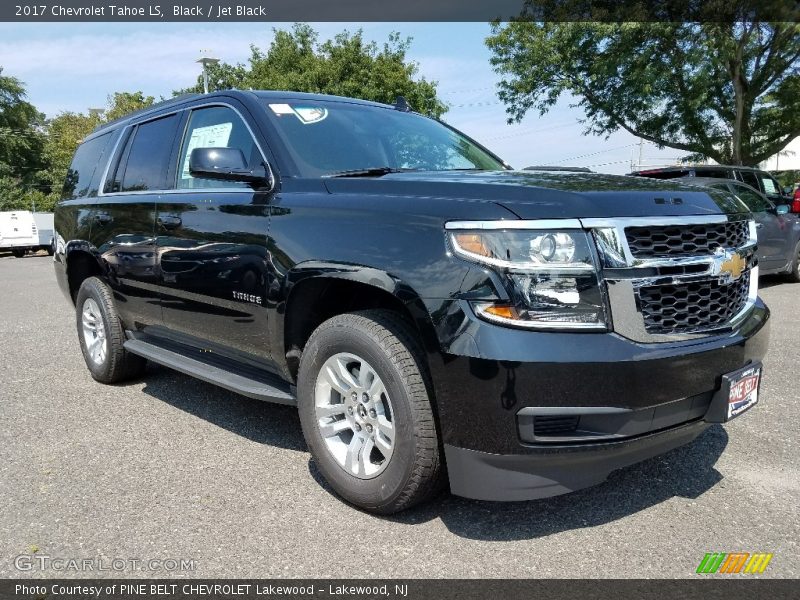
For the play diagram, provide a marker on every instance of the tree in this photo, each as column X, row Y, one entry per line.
column 346, row 65
column 21, row 141
column 57, row 139
column 726, row 91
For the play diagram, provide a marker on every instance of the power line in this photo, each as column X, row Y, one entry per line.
column 563, row 160
column 529, row 131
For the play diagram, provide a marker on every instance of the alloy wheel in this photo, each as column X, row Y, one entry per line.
column 354, row 415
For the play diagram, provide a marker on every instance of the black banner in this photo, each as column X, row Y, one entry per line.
column 393, row 10
column 736, row 587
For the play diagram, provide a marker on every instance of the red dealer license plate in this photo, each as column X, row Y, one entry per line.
column 743, row 390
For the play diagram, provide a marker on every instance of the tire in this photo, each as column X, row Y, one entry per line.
column 18, row 252
column 51, row 249
column 97, row 319
column 794, row 268
column 385, row 346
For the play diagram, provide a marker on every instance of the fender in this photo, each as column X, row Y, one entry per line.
column 319, row 271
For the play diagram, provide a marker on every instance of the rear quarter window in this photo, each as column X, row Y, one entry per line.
column 81, row 181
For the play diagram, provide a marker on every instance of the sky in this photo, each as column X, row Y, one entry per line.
column 75, row 66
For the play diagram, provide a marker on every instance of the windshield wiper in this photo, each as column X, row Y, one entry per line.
column 369, row 172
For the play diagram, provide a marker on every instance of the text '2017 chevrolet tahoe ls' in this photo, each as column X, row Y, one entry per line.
column 433, row 314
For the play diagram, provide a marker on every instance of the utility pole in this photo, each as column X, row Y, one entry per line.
column 206, row 61
column 641, row 148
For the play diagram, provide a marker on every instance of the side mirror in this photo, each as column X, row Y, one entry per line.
column 225, row 164
column 782, row 209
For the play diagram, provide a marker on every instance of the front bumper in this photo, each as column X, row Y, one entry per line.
column 489, row 380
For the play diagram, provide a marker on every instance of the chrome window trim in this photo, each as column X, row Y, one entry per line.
column 102, row 184
column 270, row 172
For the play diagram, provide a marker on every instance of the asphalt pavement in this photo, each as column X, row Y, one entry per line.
column 169, row 468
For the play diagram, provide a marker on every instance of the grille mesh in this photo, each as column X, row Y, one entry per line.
column 694, row 306
column 686, row 240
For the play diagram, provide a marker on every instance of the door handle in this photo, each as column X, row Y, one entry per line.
column 169, row 221
column 103, row 218
column 759, row 225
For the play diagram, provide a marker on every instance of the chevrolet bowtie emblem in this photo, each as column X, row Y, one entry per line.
column 729, row 265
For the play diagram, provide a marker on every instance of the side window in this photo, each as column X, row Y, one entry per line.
column 750, row 179
column 215, row 127
column 148, row 153
column 769, row 185
column 88, row 156
column 716, row 173
column 755, row 202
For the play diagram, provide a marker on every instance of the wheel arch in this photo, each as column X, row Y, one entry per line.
column 317, row 291
column 79, row 264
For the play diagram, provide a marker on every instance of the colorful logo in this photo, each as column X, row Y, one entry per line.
column 734, row 562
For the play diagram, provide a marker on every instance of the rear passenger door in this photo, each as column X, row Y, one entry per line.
column 211, row 239
column 123, row 222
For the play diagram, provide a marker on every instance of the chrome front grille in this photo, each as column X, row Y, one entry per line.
column 685, row 240
column 677, row 278
column 692, row 306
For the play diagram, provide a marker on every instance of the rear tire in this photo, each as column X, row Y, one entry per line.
column 794, row 269
column 102, row 335
column 365, row 408
column 18, row 252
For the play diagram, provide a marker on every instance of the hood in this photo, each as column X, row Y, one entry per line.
column 549, row 195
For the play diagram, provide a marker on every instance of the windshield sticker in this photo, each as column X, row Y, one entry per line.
column 211, row 136
column 310, row 115
column 281, row 109
column 306, row 114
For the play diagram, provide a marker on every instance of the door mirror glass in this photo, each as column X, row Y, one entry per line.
column 782, row 209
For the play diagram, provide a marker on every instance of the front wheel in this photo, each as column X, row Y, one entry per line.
column 365, row 409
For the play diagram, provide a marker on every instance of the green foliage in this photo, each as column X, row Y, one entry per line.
column 346, row 65
column 39, row 180
column 21, row 139
column 727, row 91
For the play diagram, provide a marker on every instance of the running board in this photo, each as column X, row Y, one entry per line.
column 260, row 385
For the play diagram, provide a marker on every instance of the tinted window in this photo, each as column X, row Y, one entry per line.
column 719, row 173
column 78, row 183
column 330, row 137
column 750, row 179
column 215, row 127
column 148, row 158
column 754, row 201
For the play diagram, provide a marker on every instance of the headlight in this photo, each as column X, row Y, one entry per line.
column 550, row 276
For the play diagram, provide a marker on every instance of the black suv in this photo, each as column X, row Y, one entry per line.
column 433, row 314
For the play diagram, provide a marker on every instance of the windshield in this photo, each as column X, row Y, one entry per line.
column 329, row 138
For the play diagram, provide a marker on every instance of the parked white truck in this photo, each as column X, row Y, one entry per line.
column 22, row 230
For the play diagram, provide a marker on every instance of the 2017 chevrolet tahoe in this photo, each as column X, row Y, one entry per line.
column 436, row 316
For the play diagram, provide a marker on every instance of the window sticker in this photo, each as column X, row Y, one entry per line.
column 281, row 109
column 211, row 136
column 310, row 115
column 306, row 114
column 769, row 186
